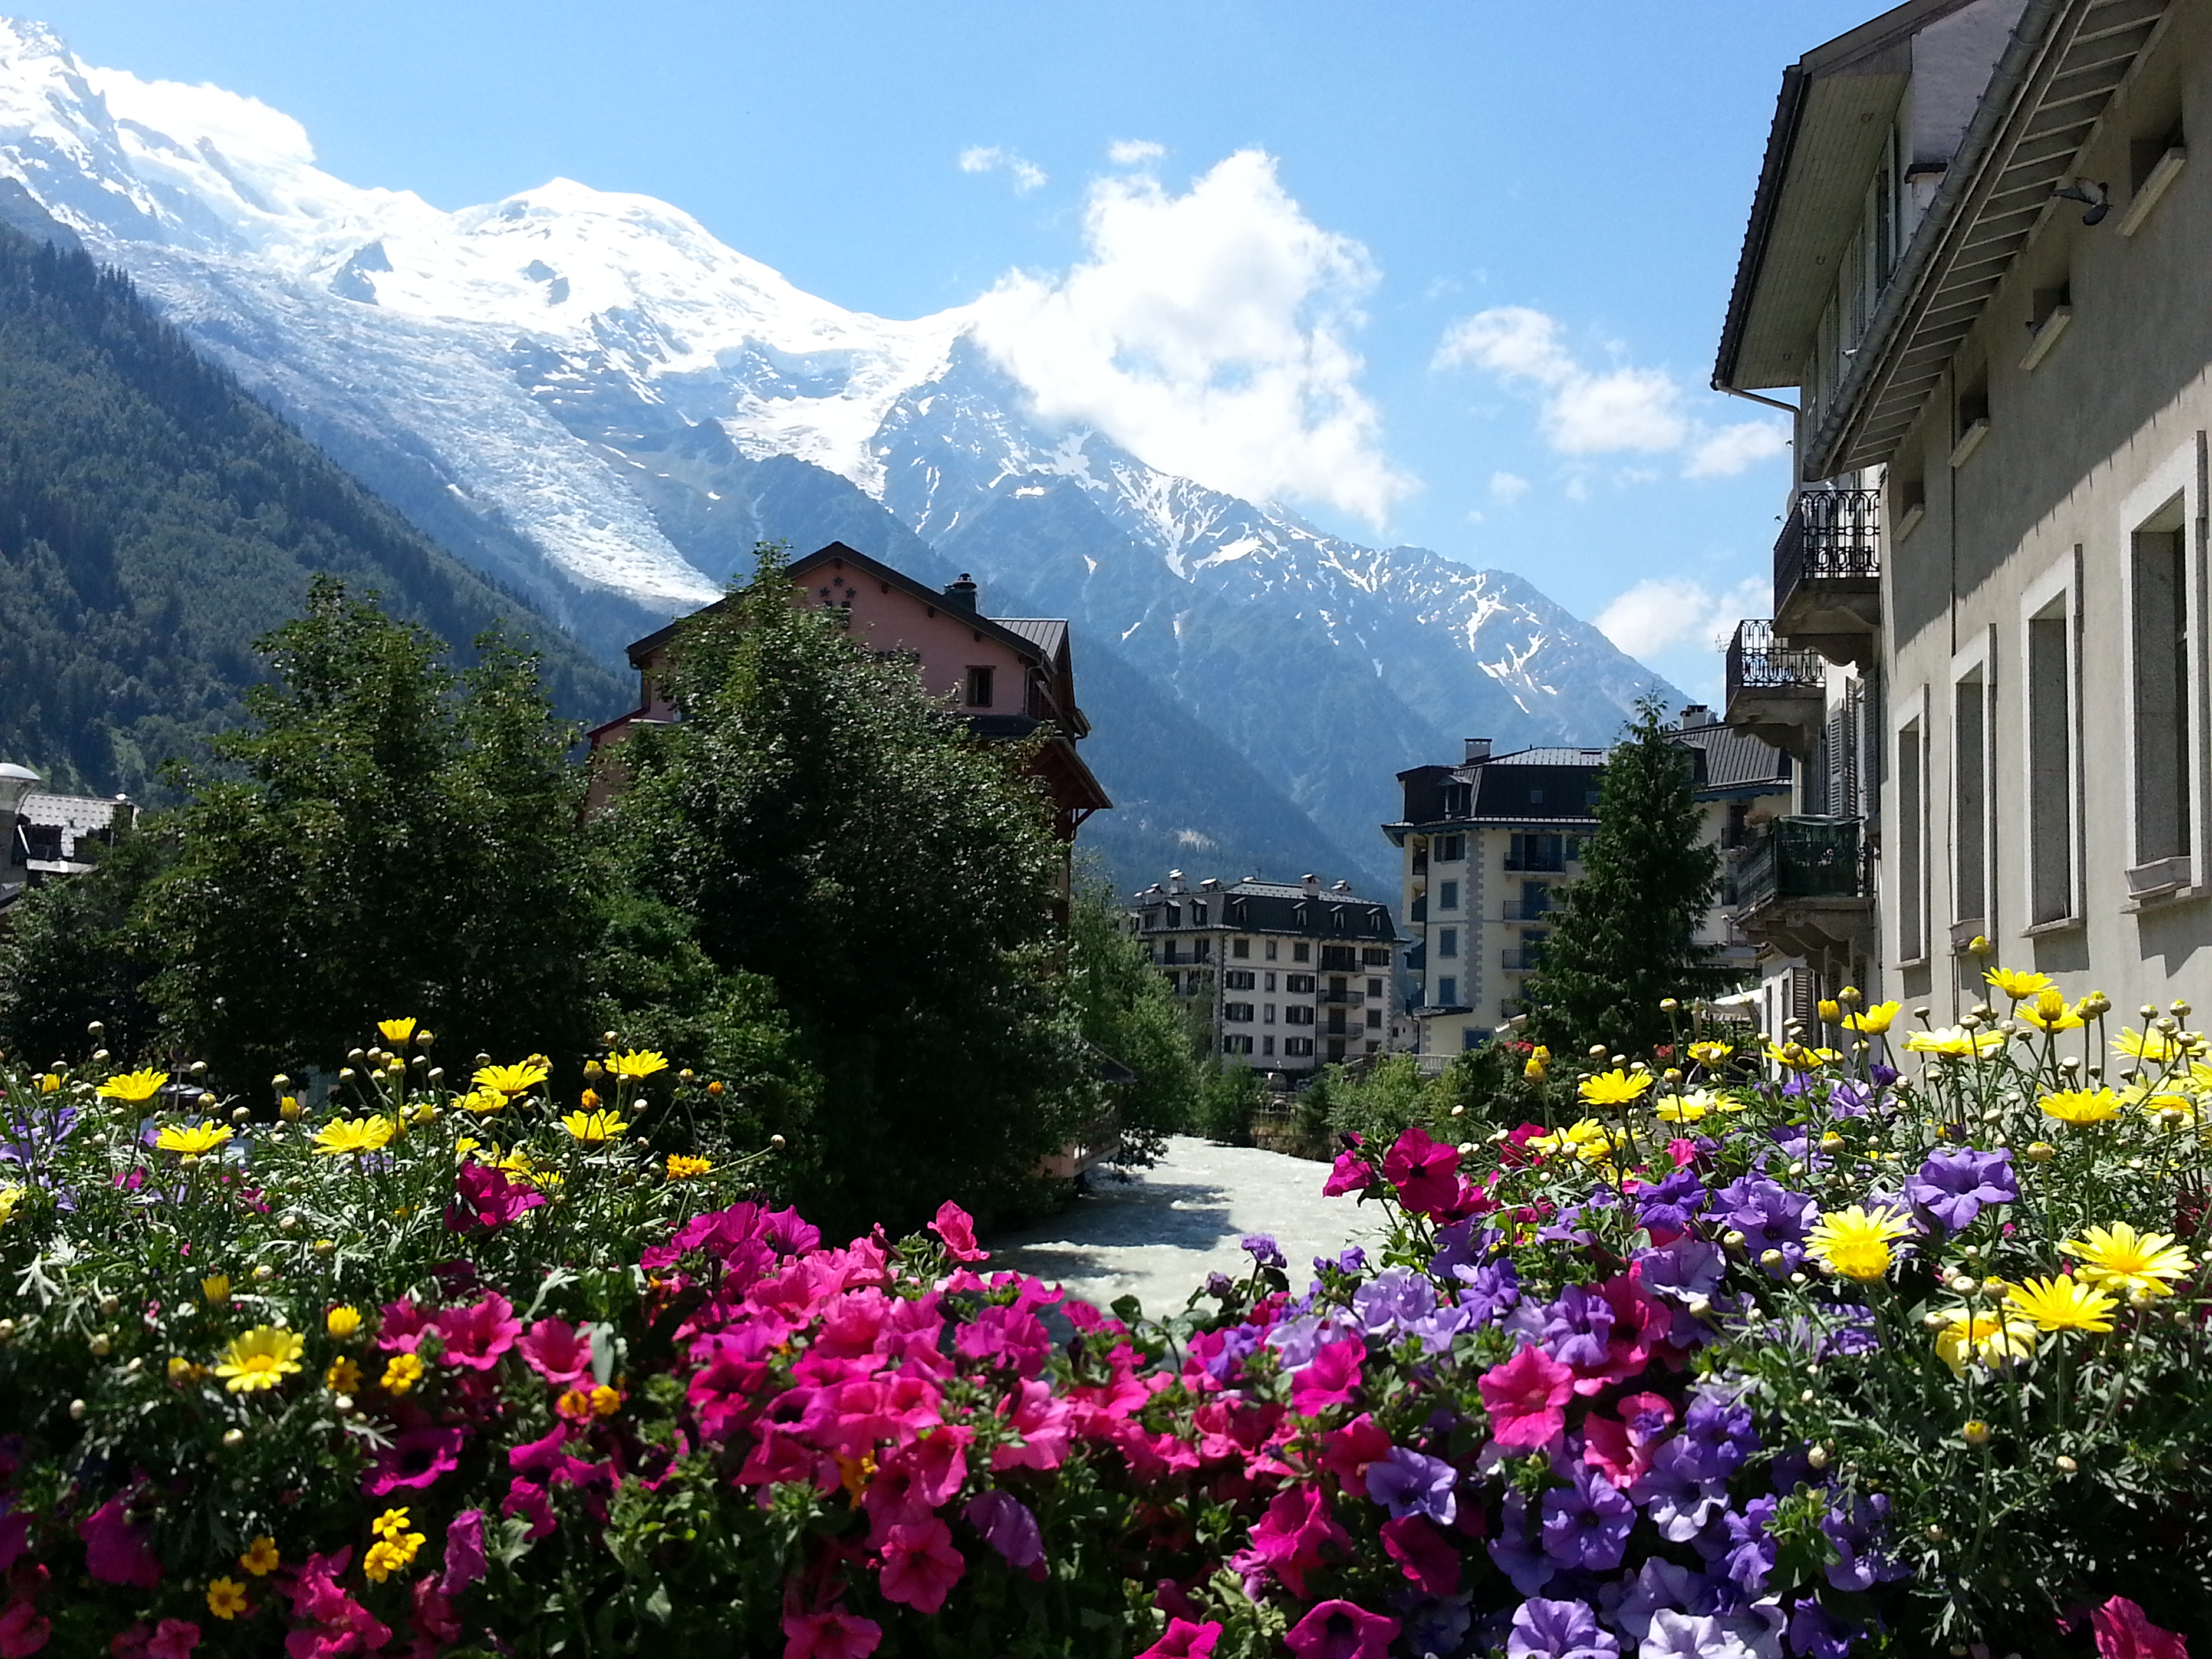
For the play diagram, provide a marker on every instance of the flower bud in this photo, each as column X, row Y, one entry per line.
column 109, row 1306
column 289, row 1108
column 101, row 1056
column 424, row 1039
column 1850, row 996
column 1808, row 1397
column 1597, row 1051
column 2066, row 1465
column 95, row 1029
column 1818, row 1457
column 101, row 1344
column 77, row 1411
column 2041, row 1151
column 1668, row 1004
column 1770, row 1258
column 239, row 1113
column 197, row 1068
column 1935, row 1534
column 232, row 1439
column 776, row 1143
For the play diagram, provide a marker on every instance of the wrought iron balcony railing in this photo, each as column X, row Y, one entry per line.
column 1833, row 535
column 1803, row 858
column 1523, row 959
column 1758, row 662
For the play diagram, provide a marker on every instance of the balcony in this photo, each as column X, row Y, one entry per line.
column 1775, row 691
column 1343, row 999
column 1827, row 574
column 1806, row 887
column 1419, row 909
column 1522, row 909
column 1523, row 959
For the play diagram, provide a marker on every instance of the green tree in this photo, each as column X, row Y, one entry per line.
column 69, row 956
column 820, row 819
column 1626, row 935
column 395, row 840
column 1127, row 1013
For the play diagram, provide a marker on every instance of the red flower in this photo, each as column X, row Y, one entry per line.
column 557, row 1351
column 476, row 1336
column 1422, row 1554
column 1349, row 1175
column 1185, row 1640
column 1425, row 1172
column 832, row 1635
column 23, row 1631
column 1526, row 1397
column 1346, row 1452
column 957, row 1229
column 1331, row 1376
column 2123, row 1632
column 1289, row 1538
column 1341, row 1630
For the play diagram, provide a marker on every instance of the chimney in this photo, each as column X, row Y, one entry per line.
column 1176, row 881
column 1478, row 749
column 16, row 783
column 1312, row 882
column 1694, row 715
column 961, row 595
column 1210, row 885
column 1341, row 887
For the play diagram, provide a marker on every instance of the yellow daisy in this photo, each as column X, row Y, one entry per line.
column 134, row 1088
column 2050, row 1011
column 2061, row 1304
column 1955, row 1042
column 2080, row 1108
column 2154, row 1046
column 261, row 1358
column 2018, row 986
column 192, row 1140
column 681, row 1168
column 1856, row 1242
column 637, row 1064
column 1615, row 1088
column 261, row 1558
column 395, row 1030
column 2118, row 1258
column 1872, row 1020
column 1969, row 1337
column 511, row 1080
column 593, row 1128
column 355, row 1134
column 1711, row 1053
column 225, row 1598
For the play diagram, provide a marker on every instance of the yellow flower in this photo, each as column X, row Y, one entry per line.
column 590, row 1100
column 261, row 1558
column 1615, row 1087
column 2060, row 1304
column 391, row 1523
column 401, row 1373
column 343, row 1376
column 182, row 1370
column 225, row 1598
column 1872, row 1020
column 134, row 1088
column 1970, row 1336
column 2051, row 1012
column 510, row 1080
column 10, row 1198
column 1587, row 1139
column 355, row 1134
column 215, row 1287
column 49, row 1083
column 341, row 1322
column 2081, row 1107
column 1856, row 1241
column 593, row 1128
column 1955, row 1042
column 1535, row 1070
column 395, row 1030
column 263, row 1358
column 1711, row 1053
column 637, row 1064
column 193, row 1141
column 2154, row 1046
column 2019, row 987
column 681, row 1168
column 517, row 1166
column 483, row 1102
column 2118, row 1258
column 390, row 1555
column 1683, row 1108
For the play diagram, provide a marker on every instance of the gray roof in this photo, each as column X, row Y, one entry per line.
column 75, row 815
column 1736, row 761
column 1553, row 756
column 1047, row 633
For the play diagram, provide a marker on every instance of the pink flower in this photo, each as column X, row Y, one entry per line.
column 432, row 1615
column 1290, row 1537
column 957, row 1229
column 477, row 1336
column 1425, row 1172
column 23, row 1631
column 1185, row 1640
column 557, row 1351
column 2125, row 1631
column 416, row 1458
column 920, row 1566
column 527, row 1499
column 1350, row 1174
column 832, row 1635
column 1331, row 1376
column 465, row 1551
column 1341, row 1630
column 1526, row 1397
column 334, row 1625
column 1346, row 1452
column 405, row 1324
column 172, row 1638
column 115, row 1552
column 487, row 1198
column 1622, row 1447
column 1422, row 1554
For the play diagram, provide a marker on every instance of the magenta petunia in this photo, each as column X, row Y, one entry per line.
column 476, row 1336
column 416, row 1458
column 557, row 1351
column 1350, row 1174
column 833, row 1635
column 115, row 1552
column 1185, row 1639
column 1331, row 1378
column 1290, row 1538
column 1341, row 1630
column 957, row 1229
column 1425, row 1172
column 1526, row 1397
column 2125, row 1631
column 1424, row 1554
column 485, row 1198
column 465, row 1551
column 920, row 1566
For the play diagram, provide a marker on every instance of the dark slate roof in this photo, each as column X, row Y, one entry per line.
column 1275, row 907
column 1735, row 762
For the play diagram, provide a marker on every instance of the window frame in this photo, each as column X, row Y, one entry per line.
column 2055, row 596
column 983, row 676
column 1908, row 723
column 1974, row 666
column 2180, row 478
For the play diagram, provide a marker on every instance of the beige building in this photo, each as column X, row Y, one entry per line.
column 45, row 835
column 1287, row 976
column 1975, row 260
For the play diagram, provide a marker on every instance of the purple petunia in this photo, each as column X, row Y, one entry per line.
column 1586, row 1525
column 1857, row 1530
column 1717, row 1435
column 1772, row 1218
column 1818, row 1634
column 1578, row 1327
column 1008, row 1526
column 1660, row 1585
column 1413, row 1483
column 1491, row 1290
column 1558, row 1630
column 1695, row 1636
column 1517, row 1555
column 1264, row 1251
column 1954, row 1185
column 1680, row 1498
column 1750, row 1554
column 1672, row 1204
column 1395, row 1299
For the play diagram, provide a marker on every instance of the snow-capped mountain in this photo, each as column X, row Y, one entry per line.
column 590, row 397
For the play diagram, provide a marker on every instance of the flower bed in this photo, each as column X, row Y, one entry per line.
column 1767, row 1354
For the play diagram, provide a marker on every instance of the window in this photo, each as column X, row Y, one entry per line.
column 1175, row 915
column 2050, row 713
column 1970, row 798
column 1240, row 948
column 1376, row 956
column 1446, row 991
column 1269, row 983
column 1302, row 952
column 1295, row 1048
column 1298, row 1014
column 2159, row 636
column 1271, row 950
column 1374, row 1019
column 1448, row 942
column 1268, row 1014
column 1266, row 1045
column 1238, row 979
column 1470, row 1038
column 1298, row 984
column 1373, row 987
column 1535, row 797
column 1530, row 851
column 1912, row 841
column 1201, row 950
column 1339, row 958
column 979, row 687
column 1237, row 1013
column 1450, row 850
column 1151, row 920
column 1448, row 896
column 1235, row 1042
column 1198, row 914
column 1175, row 983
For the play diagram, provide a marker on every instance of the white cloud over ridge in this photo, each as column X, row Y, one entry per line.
column 990, row 158
column 1206, row 333
column 1595, row 411
column 1661, row 613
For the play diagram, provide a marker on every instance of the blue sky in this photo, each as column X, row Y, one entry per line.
column 1516, row 224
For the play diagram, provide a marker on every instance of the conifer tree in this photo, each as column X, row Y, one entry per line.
column 1626, row 936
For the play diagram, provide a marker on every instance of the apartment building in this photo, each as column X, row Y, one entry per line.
column 1287, row 977
column 45, row 835
column 1975, row 266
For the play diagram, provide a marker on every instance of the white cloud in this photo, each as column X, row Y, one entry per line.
column 1133, row 152
column 1591, row 411
column 1508, row 487
column 990, row 158
column 1207, row 332
column 1661, row 613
